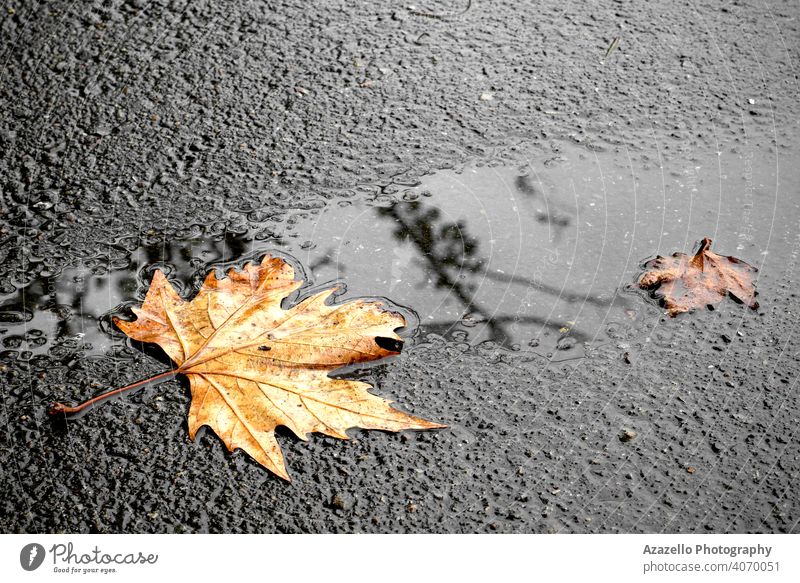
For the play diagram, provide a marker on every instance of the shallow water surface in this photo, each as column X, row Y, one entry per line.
column 538, row 256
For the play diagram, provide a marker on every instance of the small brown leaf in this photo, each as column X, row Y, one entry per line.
column 683, row 283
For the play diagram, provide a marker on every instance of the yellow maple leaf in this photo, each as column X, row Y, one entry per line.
column 253, row 365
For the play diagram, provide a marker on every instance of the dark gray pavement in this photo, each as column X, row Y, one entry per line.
column 124, row 122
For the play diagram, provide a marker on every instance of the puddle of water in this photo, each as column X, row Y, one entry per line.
column 540, row 255
column 72, row 310
column 536, row 255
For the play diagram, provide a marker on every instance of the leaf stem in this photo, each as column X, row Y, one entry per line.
column 61, row 409
column 698, row 259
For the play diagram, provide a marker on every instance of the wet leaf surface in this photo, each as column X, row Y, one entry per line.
column 683, row 283
column 254, row 366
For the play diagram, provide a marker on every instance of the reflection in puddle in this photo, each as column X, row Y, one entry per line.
column 536, row 256
column 72, row 310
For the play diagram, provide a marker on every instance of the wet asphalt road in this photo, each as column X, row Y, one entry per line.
column 124, row 121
